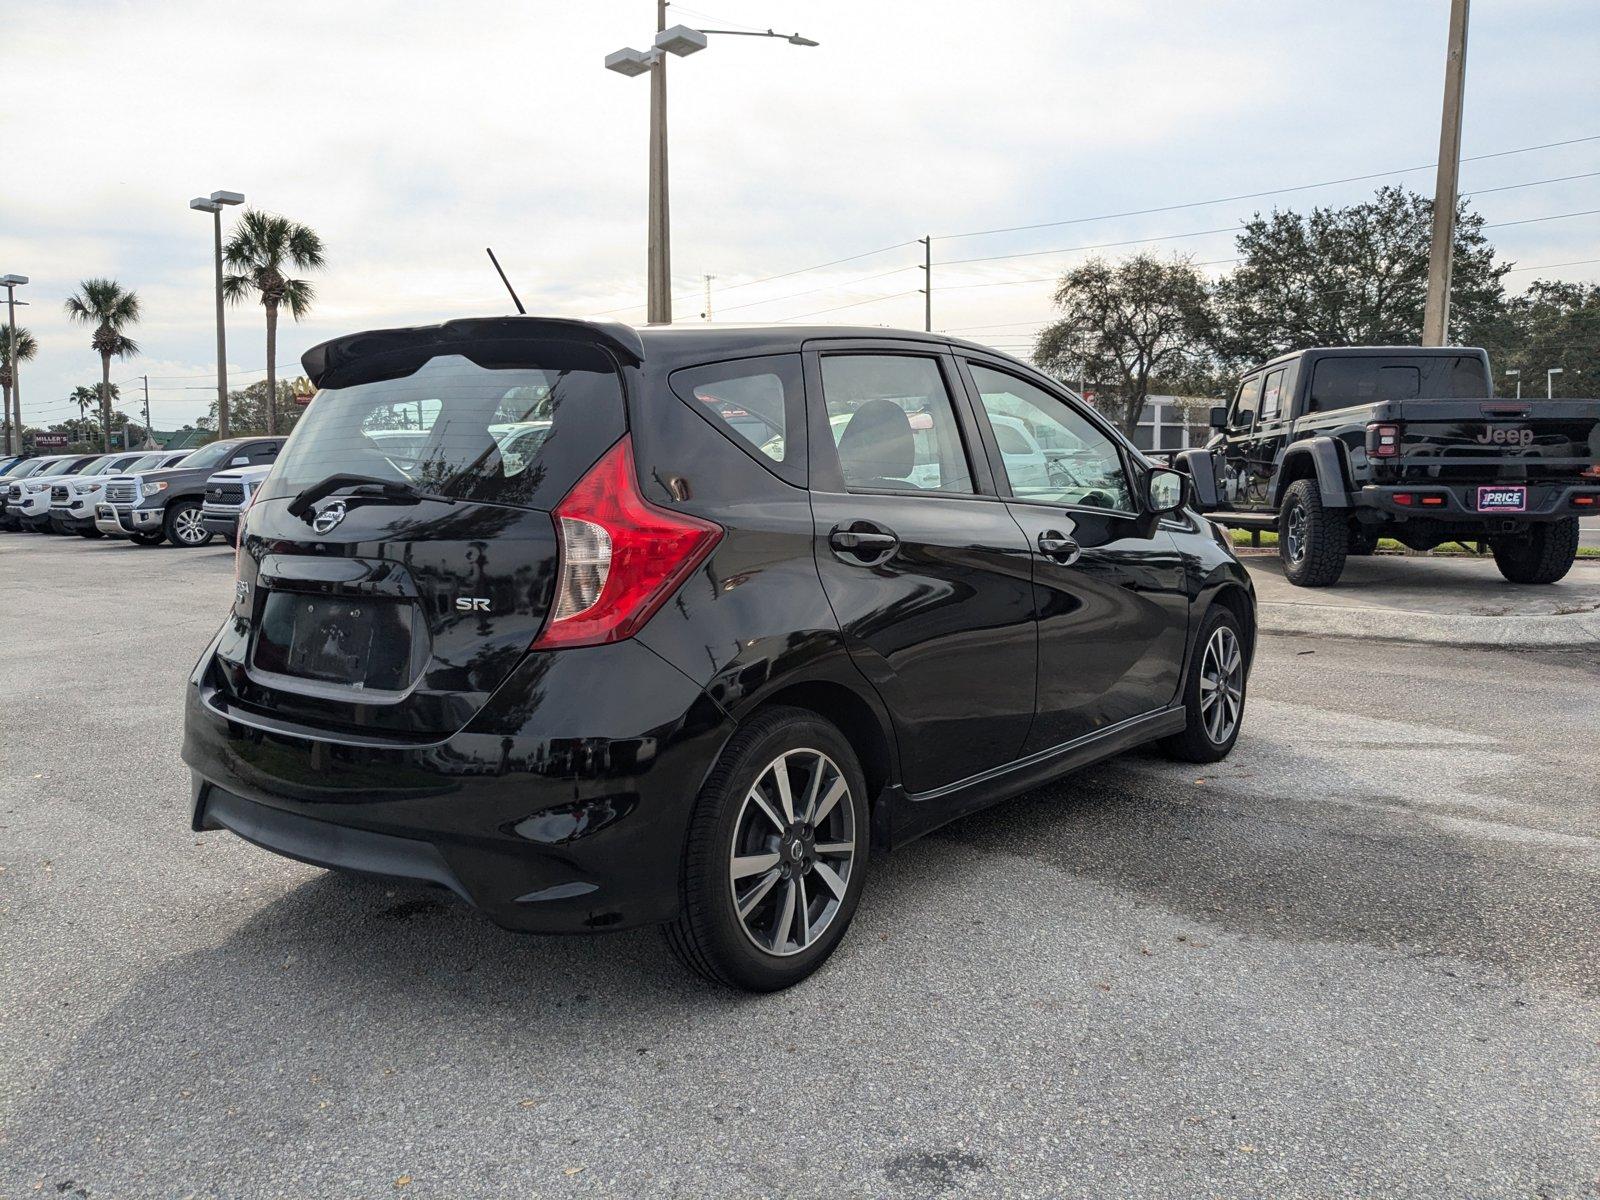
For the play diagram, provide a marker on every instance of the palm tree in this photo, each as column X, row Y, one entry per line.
column 103, row 304
column 27, row 348
column 262, row 248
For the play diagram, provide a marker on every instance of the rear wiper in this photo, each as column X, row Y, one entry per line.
column 367, row 485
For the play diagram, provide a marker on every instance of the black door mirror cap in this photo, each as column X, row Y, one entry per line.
column 1219, row 417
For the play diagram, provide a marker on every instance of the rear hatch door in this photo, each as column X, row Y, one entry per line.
column 399, row 611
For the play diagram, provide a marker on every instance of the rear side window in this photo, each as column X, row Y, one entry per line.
column 518, row 432
column 758, row 403
column 893, row 424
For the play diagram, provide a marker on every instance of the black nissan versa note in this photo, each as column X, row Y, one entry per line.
column 600, row 627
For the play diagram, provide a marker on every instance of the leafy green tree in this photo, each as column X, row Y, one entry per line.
column 87, row 397
column 27, row 348
column 108, row 308
column 1128, row 329
column 1552, row 324
column 247, row 407
column 1348, row 277
column 261, row 249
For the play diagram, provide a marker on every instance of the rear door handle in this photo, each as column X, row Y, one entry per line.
column 1057, row 546
column 863, row 542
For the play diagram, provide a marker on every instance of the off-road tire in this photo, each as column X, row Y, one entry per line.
column 1196, row 744
column 1543, row 555
column 1321, row 539
column 708, row 936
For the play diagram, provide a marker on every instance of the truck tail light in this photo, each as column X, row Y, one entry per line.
column 1583, row 502
column 621, row 557
column 1403, row 499
column 1432, row 501
column 1383, row 441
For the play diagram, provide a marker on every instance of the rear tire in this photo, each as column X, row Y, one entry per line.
column 1543, row 555
column 1213, row 692
column 182, row 526
column 1311, row 542
column 749, row 868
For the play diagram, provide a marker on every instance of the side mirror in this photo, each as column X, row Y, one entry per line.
column 1219, row 417
column 1164, row 491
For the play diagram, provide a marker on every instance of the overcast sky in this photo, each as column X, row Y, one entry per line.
column 411, row 135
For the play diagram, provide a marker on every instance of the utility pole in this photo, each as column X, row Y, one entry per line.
column 1436, row 319
column 658, row 308
column 707, row 314
column 148, row 436
column 14, row 417
column 927, row 282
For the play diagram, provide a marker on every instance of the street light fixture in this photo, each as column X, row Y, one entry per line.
column 13, row 419
column 1517, row 374
column 682, row 41
column 1549, row 381
column 214, row 204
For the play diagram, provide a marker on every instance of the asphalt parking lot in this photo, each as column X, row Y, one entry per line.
column 1360, row 957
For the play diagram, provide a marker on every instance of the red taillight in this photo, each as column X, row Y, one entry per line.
column 1584, row 501
column 1433, row 501
column 1402, row 498
column 621, row 556
column 1383, row 441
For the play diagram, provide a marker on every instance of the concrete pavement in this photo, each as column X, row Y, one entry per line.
column 1357, row 958
column 1451, row 601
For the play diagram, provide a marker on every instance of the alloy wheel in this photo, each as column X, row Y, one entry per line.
column 1221, row 685
column 1295, row 532
column 186, row 527
column 794, row 846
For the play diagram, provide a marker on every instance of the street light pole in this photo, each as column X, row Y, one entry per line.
column 13, row 418
column 1517, row 374
column 682, row 41
column 214, row 204
column 1436, row 317
column 1549, row 381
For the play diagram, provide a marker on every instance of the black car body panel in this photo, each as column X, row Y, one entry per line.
column 553, row 787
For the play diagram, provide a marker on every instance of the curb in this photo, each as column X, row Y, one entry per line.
column 1505, row 632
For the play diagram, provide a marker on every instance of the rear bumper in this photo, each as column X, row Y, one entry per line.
column 1458, row 502
column 562, row 807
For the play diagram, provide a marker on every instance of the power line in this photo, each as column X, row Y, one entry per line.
column 1581, row 262
column 852, row 304
column 1304, row 187
column 827, row 287
column 1588, row 212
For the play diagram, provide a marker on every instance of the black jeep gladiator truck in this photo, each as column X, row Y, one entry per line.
column 1337, row 447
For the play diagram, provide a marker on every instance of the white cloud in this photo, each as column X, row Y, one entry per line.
column 413, row 134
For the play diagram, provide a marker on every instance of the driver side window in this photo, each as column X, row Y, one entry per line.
column 1051, row 453
column 1242, row 416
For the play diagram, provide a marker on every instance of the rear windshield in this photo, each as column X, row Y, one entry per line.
column 1342, row 382
column 502, row 434
column 210, row 456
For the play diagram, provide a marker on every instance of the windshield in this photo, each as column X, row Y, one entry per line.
column 56, row 468
column 30, row 468
column 210, row 456
column 507, row 435
column 145, row 463
column 102, row 464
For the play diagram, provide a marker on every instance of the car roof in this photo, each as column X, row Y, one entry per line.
column 663, row 346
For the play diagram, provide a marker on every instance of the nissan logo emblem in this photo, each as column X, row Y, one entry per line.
column 329, row 517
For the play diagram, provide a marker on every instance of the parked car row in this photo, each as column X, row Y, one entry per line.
column 186, row 497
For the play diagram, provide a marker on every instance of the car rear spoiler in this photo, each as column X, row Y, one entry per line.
column 329, row 357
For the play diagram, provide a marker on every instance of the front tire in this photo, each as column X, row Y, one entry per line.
column 1311, row 542
column 1543, row 555
column 776, row 855
column 183, row 526
column 1213, row 693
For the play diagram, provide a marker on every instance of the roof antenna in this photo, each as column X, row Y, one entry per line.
column 505, row 281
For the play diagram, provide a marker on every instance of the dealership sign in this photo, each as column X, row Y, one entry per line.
column 43, row 440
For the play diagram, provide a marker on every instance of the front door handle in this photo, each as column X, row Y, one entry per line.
column 863, row 542
column 1058, row 547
